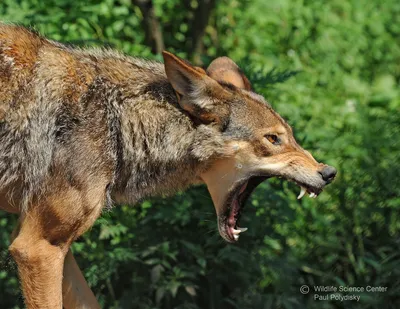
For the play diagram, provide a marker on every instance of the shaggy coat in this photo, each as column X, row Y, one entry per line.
column 81, row 129
column 71, row 113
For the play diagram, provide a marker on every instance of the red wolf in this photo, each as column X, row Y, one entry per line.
column 83, row 129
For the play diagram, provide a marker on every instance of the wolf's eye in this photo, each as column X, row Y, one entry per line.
column 273, row 139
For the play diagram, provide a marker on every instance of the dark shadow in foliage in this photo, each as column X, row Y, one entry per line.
column 261, row 79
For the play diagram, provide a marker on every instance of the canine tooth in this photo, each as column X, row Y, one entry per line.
column 236, row 236
column 236, row 232
column 242, row 229
column 302, row 192
column 312, row 194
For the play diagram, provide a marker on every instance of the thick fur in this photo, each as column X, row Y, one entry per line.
column 67, row 113
column 80, row 129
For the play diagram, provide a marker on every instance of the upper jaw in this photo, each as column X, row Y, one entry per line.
column 312, row 185
column 312, row 192
column 312, row 189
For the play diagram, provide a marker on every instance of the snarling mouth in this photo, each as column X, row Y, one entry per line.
column 229, row 223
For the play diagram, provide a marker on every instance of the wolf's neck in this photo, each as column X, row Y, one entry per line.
column 156, row 144
column 158, row 147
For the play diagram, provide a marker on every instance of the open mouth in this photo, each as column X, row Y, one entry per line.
column 229, row 223
column 234, row 205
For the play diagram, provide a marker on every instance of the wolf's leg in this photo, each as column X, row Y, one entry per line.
column 40, row 266
column 45, row 234
column 76, row 292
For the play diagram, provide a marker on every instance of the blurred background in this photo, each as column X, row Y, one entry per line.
column 332, row 68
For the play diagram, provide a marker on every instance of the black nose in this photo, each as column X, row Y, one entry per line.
column 328, row 173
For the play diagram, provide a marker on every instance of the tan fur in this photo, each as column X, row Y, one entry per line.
column 82, row 129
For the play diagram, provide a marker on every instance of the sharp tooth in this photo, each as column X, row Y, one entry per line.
column 242, row 229
column 302, row 192
column 236, row 236
column 312, row 194
column 236, row 232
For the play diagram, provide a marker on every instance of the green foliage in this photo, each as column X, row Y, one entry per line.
column 333, row 70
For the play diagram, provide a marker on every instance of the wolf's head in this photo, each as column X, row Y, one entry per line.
column 259, row 142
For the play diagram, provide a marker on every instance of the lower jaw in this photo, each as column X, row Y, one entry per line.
column 227, row 234
column 224, row 232
column 228, row 239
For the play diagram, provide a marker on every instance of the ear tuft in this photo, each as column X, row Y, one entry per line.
column 224, row 69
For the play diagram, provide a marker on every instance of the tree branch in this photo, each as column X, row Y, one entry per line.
column 200, row 22
column 153, row 34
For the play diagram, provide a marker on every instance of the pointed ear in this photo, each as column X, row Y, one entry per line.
column 202, row 97
column 183, row 76
column 224, row 69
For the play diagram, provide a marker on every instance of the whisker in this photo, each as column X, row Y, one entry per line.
column 224, row 175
